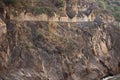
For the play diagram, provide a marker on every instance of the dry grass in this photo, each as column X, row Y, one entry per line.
column 52, row 27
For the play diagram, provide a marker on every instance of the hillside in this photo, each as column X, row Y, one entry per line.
column 113, row 6
column 58, row 40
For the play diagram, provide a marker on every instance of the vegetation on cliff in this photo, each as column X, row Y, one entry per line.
column 113, row 6
column 54, row 50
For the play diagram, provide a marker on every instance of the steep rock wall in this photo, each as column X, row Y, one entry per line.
column 36, row 50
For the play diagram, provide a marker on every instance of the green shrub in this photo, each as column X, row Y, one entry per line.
column 101, row 4
column 59, row 3
column 111, row 6
column 117, row 15
column 41, row 10
column 8, row 2
column 117, row 8
column 116, row 3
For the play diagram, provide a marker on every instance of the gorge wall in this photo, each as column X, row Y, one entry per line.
column 34, row 48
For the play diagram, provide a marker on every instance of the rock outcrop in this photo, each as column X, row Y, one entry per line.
column 50, row 50
column 3, row 29
column 59, row 51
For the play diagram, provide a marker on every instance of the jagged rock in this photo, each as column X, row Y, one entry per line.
column 116, row 77
column 70, row 13
column 78, row 53
column 43, row 50
column 3, row 29
column 70, row 8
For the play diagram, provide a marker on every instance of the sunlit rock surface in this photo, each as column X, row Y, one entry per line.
column 3, row 29
column 117, row 77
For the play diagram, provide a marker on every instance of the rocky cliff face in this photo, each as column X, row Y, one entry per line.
column 42, row 50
